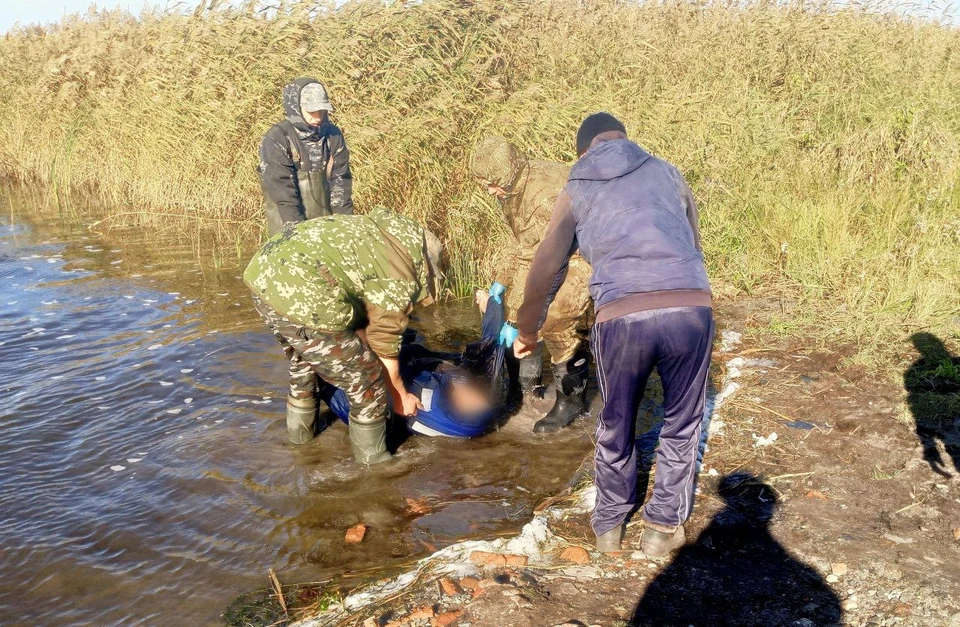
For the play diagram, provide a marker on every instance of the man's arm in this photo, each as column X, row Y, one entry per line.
column 693, row 216
column 278, row 176
column 404, row 402
column 548, row 270
column 339, row 176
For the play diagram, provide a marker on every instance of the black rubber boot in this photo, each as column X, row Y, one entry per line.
column 531, row 373
column 369, row 442
column 301, row 419
column 570, row 380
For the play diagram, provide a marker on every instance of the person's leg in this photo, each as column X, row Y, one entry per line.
column 570, row 362
column 625, row 356
column 301, row 398
column 342, row 360
column 685, row 340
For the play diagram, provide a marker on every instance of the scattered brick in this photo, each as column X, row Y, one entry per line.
column 816, row 494
column 355, row 534
column 470, row 583
column 446, row 618
column 516, row 560
column 575, row 554
column 450, row 588
column 423, row 612
column 902, row 609
column 488, row 559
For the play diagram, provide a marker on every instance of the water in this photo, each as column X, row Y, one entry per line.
column 145, row 474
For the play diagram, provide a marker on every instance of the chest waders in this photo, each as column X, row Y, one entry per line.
column 313, row 186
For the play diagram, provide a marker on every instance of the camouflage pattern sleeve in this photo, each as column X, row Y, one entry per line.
column 278, row 176
column 341, row 180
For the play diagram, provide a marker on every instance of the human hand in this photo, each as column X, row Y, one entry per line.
column 524, row 346
column 405, row 403
column 481, row 298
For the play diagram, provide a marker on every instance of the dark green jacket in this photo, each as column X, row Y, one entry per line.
column 304, row 170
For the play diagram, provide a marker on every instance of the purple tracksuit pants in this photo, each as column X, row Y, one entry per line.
column 677, row 341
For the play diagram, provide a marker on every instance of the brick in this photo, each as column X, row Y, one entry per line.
column 470, row 583
column 450, row 588
column 446, row 618
column 516, row 560
column 423, row 612
column 575, row 554
column 488, row 559
column 355, row 534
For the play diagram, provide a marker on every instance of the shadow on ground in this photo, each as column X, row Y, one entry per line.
column 737, row 573
column 933, row 395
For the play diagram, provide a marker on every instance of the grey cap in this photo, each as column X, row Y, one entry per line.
column 313, row 97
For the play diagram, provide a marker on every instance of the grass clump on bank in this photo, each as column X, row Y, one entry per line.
column 823, row 145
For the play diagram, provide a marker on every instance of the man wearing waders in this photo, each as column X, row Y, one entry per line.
column 527, row 190
column 338, row 291
column 304, row 162
column 634, row 219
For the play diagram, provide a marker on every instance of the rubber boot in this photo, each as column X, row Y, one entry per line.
column 301, row 418
column 531, row 373
column 369, row 442
column 611, row 541
column 570, row 380
column 656, row 543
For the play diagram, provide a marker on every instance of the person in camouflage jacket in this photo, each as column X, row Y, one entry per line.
column 527, row 190
column 337, row 292
column 304, row 162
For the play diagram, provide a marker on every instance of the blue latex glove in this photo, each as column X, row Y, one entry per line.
column 508, row 334
column 496, row 292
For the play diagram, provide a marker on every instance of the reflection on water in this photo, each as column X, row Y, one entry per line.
column 144, row 469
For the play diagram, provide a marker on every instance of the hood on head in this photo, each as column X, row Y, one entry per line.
column 291, row 103
column 609, row 160
column 497, row 161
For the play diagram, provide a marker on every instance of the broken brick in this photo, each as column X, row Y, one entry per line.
column 575, row 554
column 450, row 588
column 423, row 612
column 442, row 620
column 487, row 559
column 355, row 534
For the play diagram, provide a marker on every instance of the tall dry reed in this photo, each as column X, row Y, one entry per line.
column 822, row 143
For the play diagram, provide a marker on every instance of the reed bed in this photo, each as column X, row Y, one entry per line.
column 822, row 142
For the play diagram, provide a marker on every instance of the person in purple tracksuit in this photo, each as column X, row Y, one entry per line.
column 633, row 218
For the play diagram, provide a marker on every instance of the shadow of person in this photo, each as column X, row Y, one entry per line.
column 933, row 395
column 737, row 573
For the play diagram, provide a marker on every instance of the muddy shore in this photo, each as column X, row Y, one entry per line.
column 817, row 505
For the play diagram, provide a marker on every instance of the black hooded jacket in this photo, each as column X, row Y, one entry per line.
column 304, row 170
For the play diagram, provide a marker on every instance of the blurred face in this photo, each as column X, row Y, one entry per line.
column 494, row 190
column 313, row 118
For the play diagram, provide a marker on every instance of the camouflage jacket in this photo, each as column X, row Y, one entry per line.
column 338, row 272
column 532, row 189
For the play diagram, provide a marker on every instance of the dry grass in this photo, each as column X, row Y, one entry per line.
column 822, row 143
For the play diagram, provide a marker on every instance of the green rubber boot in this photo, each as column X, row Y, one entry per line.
column 369, row 443
column 301, row 419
